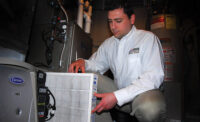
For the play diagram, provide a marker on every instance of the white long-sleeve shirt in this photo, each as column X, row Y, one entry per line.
column 136, row 61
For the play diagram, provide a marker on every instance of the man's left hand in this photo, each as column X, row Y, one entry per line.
column 108, row 101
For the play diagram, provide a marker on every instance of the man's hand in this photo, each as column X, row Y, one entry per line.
column 108, row 101
column 75, row 66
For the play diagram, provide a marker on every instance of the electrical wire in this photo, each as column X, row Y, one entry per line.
column 52, row 107
column 62, row 52
column 63, row 9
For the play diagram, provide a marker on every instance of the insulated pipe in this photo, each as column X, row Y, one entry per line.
column 80, row 14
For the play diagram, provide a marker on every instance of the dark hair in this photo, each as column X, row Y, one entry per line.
column 115, row 4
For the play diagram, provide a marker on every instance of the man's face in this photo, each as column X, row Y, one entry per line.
column 120, row 24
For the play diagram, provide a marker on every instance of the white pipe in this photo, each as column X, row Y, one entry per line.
column 87, row 17
column 80, row 14
column 90, row 11
column 87, row 23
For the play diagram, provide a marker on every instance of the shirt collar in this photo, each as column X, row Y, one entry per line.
column 127, row 35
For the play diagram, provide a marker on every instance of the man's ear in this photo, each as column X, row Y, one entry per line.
column 132, row 19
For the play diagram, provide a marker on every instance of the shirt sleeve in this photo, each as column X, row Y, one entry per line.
column 152, row 72
column 98, row 62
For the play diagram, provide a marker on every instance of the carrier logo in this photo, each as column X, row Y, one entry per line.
column 16, row 80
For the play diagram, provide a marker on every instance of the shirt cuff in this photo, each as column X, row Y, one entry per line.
column 126, row 95
column 86, row 65
column 120, row 96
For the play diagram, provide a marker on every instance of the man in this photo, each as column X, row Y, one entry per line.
column 136, row 60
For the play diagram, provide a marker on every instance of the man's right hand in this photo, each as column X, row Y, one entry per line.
column 75, row 66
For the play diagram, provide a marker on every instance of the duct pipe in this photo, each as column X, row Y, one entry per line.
column 80, row 14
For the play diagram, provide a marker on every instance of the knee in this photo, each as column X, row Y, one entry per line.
column 151, row 112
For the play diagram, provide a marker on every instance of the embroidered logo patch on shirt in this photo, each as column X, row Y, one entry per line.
column 134, row 50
